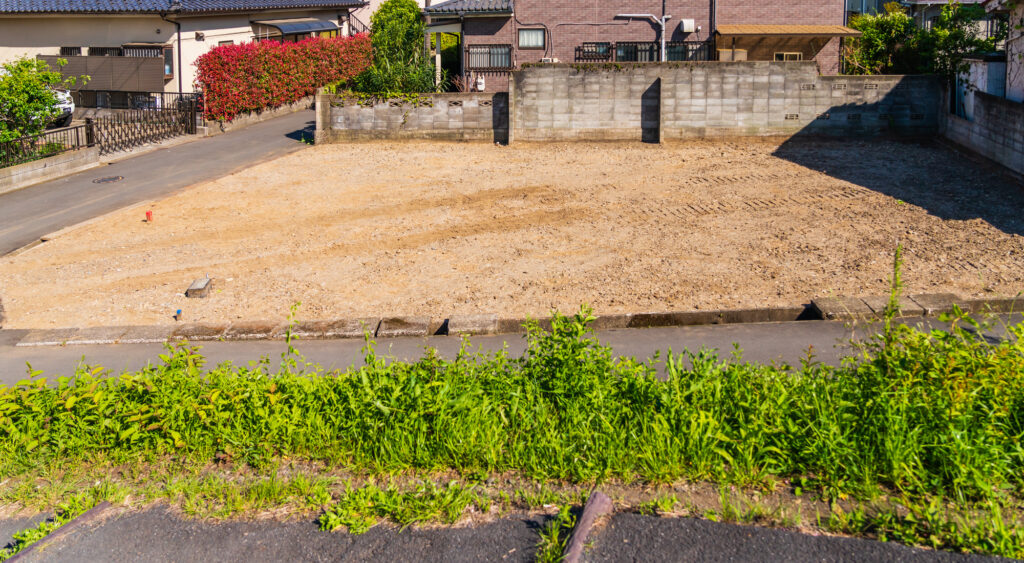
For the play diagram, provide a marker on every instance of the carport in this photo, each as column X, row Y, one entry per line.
column 776, row 42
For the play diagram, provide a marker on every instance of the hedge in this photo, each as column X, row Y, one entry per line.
column 258, row 76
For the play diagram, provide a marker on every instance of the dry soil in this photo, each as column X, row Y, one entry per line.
column 439, row 229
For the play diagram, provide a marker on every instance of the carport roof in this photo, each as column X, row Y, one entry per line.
column 474, row 7
column 789, row 30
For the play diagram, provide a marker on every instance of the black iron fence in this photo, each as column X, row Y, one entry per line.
column 131, row 128
column 489, row 57
column 136, row 100
column 50, row 143
column 644, row 51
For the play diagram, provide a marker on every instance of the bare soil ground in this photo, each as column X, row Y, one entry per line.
column 441, row 229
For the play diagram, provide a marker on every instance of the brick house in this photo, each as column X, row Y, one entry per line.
column 500, row 35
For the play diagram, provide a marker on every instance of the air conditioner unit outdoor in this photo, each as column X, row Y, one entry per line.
column 549, row 60
column 687, row 26
column 732, row 55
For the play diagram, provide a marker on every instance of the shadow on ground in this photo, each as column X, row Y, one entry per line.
column 306, row 134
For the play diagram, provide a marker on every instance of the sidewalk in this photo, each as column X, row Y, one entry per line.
column 28, row 214
column 761, row 342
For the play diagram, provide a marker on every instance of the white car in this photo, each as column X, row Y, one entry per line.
column 67, row 109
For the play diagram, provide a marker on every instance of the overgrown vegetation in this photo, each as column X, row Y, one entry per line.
column 28, row 98
column 66, row 512
column 892, row 43
column 400, row 64
column 933, row 415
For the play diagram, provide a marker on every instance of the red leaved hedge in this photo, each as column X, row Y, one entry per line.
column 257, row 76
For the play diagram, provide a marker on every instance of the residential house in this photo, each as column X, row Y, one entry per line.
column 500, row 35
column 1013, row 88
column 131, row 49
column 927, row 12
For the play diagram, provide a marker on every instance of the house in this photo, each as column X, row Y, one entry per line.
column 149, row 46
column 1013, row 88
column 500, row 35
column 927, row 12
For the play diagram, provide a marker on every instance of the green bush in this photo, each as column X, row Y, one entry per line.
column 400, row 65
column 27, row 98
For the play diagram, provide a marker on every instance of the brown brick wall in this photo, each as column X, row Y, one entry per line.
column 572, row 22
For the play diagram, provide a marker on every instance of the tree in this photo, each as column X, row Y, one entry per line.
column 879, row 49
column 28, row 100
column 400, row 64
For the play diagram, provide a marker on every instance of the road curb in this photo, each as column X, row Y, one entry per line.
column 837, row 308
column 598, row 505
column 84, row 518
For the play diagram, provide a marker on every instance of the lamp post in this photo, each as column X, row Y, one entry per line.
column 660, row 21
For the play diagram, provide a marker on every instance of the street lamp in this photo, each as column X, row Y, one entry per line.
column 660, row 21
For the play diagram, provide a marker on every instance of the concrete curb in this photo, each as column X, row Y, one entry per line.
column 827, row 308
column 64, row 530
column 598, row 505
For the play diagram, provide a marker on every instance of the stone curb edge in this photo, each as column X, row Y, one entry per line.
column 78, row 522
column 828, row 308
column 598, row 505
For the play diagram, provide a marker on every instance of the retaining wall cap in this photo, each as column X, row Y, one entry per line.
column 98, row 335
column 252, row 330
column 842, row 308
column 47, row 337
column 908, row 307
column 200, row 331
column 403, row 326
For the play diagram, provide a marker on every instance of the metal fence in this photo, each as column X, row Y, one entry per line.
column 50, row 143
column 132, row 128
column 489, row 57
column 135, row 100
column 644, row 51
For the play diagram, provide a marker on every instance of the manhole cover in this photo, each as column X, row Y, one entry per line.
column 108, row 180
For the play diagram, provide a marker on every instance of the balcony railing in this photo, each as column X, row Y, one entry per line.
column 644, row 51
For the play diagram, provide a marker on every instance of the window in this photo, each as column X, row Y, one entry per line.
column 329, row 34
column 70, row 51
column 531, row 38
column 223, row 43
column 168, row 62
column 780, row 57
column 489, row 57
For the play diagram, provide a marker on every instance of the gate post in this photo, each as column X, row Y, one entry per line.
column 90, row 132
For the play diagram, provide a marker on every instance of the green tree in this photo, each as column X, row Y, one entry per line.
column 27, row 97
column 880, row 48
column 400, row 64
column 953, row 37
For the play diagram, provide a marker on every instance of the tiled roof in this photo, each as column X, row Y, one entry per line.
column 163, row 6
column 469, row 7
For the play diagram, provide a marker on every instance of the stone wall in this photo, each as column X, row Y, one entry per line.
column 36, row 171
column 653, row 102
column 995, row 131
column 456, row 117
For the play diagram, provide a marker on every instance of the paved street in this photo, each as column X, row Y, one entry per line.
column 762, row 342
column 27, row 214
column 157, row 535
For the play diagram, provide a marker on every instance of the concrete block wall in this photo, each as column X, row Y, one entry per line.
column 653, row 102
column 456, row 117
column 29, row 173
column 995, row 132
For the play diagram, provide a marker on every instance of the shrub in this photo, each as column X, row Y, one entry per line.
column 257, row 76
column 399, row 62
column 27, row 97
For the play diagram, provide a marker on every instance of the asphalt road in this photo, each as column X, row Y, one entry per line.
column 157, row 535
column 30, row 213
column 761, row 342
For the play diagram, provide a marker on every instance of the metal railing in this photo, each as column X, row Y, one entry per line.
column 131, row 128
column 489, row 57
column 135, row 100
column 49, row 143
column 644, row 51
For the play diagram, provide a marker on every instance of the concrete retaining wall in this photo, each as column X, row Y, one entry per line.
column 995, row 132
column 454, row 117
column 653, row 102
column 23, row 175
column 211, row 128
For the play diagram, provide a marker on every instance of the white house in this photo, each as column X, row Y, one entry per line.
column 145, row 46
column 1014, row 89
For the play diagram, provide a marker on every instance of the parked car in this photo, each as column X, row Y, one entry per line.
column 67, row 109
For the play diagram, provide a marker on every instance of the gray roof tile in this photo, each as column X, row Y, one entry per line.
column 470, row 6
column 162, row 6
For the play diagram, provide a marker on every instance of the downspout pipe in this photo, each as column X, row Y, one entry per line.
column 177, row 27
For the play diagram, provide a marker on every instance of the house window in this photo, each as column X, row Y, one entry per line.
column 531, row 38
column 489, row 57
column 636, row 52
column 70, row 51
column 780, row 57
column 223, row 43
column 329, row 34
column 168, row 62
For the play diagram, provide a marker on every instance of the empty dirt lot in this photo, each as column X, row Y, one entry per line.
column 440, row 229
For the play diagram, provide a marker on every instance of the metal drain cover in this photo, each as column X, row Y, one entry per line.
column 108, row 180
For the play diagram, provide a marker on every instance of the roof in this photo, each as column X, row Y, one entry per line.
column 301, row 25
column 457, row 7
column 788, row 30
column 164, row 6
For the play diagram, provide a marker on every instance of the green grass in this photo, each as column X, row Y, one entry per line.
column 555, row 535
column 915, row 414
column 67, row 511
